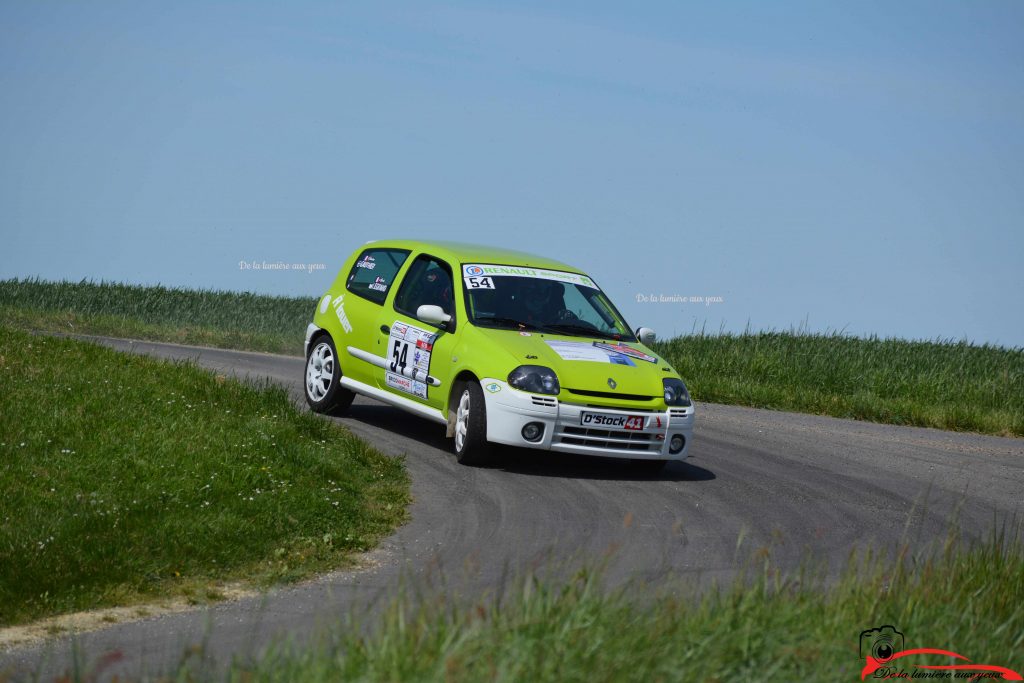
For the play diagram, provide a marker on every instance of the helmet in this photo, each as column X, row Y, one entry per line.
column 436, row 288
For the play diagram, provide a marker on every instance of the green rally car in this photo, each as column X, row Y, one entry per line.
column 500, row 347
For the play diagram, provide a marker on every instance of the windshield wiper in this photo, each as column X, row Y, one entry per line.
column 507, row 321
column 582, row 331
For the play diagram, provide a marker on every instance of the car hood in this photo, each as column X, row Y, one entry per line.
column 587, row 364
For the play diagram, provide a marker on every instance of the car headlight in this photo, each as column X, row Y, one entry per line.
column 534, row 378
column 675, row 392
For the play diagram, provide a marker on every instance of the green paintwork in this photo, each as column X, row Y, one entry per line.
column 481, row 352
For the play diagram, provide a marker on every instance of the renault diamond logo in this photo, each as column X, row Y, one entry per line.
column 612, row 383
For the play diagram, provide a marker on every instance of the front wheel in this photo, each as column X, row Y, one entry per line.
column 471, row 447
column 324, row 392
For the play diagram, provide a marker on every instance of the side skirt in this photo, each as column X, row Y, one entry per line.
column 392, row 399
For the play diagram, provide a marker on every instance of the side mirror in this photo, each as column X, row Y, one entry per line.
column 432, row 314
column 646, row 336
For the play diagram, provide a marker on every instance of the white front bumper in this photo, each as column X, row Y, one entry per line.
column 509, row 410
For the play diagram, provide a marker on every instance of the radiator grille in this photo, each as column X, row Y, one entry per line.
column 603, row 438
column 611, row 394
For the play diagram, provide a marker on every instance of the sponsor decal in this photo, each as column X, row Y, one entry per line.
column 398, row 382
column 379, row 284
column 493, row 387
column 569, row 350
column 407, row 371
column 369, row 265
column 339, row 308
column 626, row 351
column 623, row 422
column 885, row 656
column 483, row 271
column 325, row 302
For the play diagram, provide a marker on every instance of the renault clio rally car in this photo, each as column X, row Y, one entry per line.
column 501, row 347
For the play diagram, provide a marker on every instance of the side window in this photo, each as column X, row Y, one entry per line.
column 428, row 281
column 374, row 273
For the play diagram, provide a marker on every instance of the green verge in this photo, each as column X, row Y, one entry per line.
column 943, row 384
column 126, row 478
column 948, row 385
column 765, row 628
column 229, row 320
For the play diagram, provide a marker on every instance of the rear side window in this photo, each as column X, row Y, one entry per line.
column 374, row 273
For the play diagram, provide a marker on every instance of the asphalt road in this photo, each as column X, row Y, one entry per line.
column 796, row 484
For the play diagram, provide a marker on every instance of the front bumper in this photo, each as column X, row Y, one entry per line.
column 509, row 410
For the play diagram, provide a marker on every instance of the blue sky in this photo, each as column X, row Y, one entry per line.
column 857, row 166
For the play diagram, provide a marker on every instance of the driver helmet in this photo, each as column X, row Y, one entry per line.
column 436, row 287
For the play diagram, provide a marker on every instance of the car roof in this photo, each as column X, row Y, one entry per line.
column 464, row 252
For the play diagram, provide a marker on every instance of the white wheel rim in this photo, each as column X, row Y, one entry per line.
column 462, row 421
column 319, row 372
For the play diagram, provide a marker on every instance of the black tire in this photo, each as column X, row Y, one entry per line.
column 647, row 467
column 471, row 448
column 325, row 394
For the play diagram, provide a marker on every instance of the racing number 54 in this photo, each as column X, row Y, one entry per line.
column 480, row 282
column 399, row 356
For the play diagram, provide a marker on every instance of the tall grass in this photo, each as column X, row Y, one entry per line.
column 943, row 384
column 241, row 320
column 770, row 628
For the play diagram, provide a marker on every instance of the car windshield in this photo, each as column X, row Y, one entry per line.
column 514, row 297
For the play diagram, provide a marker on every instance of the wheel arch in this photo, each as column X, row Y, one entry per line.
column 320, row 333
column 463, row 376
column 316, row 335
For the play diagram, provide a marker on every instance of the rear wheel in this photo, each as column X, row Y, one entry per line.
column 324, row 392
column 471, row 447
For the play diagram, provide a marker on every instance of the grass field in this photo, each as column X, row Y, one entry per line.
column 765, row 628
column 231, row 320
column 948, row 385
column 125, row 478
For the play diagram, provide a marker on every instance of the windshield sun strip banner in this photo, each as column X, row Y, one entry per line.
column 482, row 270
